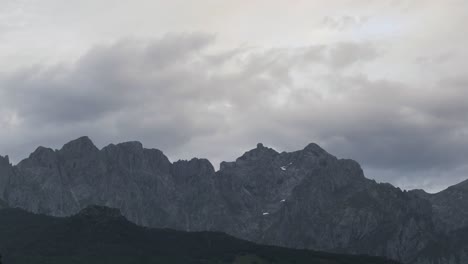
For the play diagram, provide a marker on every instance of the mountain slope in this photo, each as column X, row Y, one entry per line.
column 303, row 199
column 102, row 235
column 328, row 205
column 451, row 207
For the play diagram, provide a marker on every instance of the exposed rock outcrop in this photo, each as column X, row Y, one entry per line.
column 302, row 199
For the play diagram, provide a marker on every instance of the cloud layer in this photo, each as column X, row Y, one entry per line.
column 382, row 82
column 178, row 94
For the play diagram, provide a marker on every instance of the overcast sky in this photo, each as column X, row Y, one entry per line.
column 384, row 82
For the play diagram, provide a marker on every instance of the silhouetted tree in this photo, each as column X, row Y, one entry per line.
column 0, row 258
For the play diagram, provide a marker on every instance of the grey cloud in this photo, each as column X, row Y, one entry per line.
column 105, row 80
column 347, row 53
column 178, row 94
column 342, row 23
column 389, row 125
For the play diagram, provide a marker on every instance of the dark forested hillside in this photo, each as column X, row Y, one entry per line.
column 102, row 235
column 303, row 199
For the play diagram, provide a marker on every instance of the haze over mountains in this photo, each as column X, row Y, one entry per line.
column 303, row 199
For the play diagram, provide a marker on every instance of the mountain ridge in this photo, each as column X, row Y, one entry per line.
column 302, row 199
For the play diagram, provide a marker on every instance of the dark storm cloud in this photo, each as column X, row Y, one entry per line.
column 178, row 94
column 105, row 80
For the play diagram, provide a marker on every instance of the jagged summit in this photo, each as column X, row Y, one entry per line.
column 316, row 149
column 41, row 151
column 131, row 145
column 258, row 153
column 301, row 199
column 85, row 144
column 196, row 163
column 42, row 156
column 83, row 140
column 5, row 159
column 81, row 144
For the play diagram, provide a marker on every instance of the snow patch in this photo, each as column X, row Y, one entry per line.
column 286, row 166
column 266, row 213
column 284, row 200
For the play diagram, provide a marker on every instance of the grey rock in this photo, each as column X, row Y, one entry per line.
column 451, row 207
column 302, row 199
column 6, row 172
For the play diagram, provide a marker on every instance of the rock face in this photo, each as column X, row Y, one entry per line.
column 303, row 199
column 99, row 234
column 450, row 217
column 451, row 207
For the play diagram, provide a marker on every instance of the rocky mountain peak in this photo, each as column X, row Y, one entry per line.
column 184, row 170
column 258, row 153
column 4, row 160
column 195, row 164
column 80, row 146
column 6, row 171
column 42, row 156
column 302, row 199
column 315, row 149
column 41, row 151
column 131, row 146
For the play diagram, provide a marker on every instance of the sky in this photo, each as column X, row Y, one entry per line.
column 382, row 82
